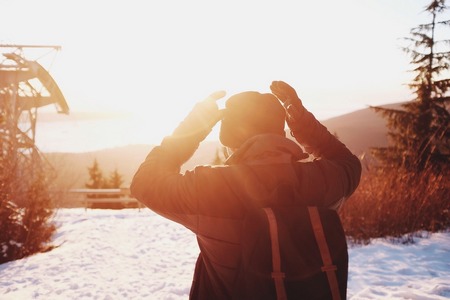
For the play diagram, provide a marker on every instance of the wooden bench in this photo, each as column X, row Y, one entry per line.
column 107, row 198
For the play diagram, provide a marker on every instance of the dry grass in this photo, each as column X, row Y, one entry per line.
column 396, row 204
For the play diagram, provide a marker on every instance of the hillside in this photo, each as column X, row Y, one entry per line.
column 359, row 130
column 72, row 168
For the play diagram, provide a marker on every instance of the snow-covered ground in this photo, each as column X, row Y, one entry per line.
column 132, row 254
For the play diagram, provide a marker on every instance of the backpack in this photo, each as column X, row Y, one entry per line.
column 292, row 253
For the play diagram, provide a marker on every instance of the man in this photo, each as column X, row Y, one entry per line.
column 212, row 201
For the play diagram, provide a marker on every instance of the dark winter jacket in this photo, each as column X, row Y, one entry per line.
column 212, row 200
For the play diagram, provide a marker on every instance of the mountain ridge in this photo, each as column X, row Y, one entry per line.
column 359, row 130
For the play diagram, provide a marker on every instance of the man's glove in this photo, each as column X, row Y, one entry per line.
column 294, row 107
column 194, row 128
column 309, row 132
column 202, row 118
column 286, row 94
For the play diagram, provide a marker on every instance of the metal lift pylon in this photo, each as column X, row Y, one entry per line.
column 25, row 86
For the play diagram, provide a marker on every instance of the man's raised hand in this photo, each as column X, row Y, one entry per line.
column 286, row 94
column 291, row 102
column 207, row 111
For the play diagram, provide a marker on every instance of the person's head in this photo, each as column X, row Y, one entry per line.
column 248, row 114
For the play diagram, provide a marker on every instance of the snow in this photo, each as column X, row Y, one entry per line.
column 136, row 254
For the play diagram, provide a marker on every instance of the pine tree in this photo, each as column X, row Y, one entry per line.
column 115, row 180
column 96, row 180
column 419, row 131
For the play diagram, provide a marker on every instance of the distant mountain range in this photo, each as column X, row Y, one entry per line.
column 359, row 130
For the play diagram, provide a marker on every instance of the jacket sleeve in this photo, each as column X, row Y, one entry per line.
column 158, row 183
column 336, row 166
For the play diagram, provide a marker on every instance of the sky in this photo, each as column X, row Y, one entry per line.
column 155, row 59
column 132, row 254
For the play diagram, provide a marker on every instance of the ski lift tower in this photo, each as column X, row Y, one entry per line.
column 25, row 86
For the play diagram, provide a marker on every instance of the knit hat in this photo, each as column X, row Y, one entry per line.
column 248, row 114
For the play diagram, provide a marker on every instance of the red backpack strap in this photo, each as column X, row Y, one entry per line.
column 277, row 275
column 328, row 266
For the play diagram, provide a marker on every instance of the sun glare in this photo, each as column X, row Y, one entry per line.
column 156, row 63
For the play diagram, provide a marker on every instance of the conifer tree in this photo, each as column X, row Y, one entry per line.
column 115, row 179
column 419, row 131
column 96, row 180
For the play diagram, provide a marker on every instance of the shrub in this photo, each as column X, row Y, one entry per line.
column 25, row 218
column 36, row 230
column 397, row 204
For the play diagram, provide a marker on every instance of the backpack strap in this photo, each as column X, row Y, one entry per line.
column 277, row 275
column 328, row 266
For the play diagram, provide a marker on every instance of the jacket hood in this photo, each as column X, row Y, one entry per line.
column 266, row 149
